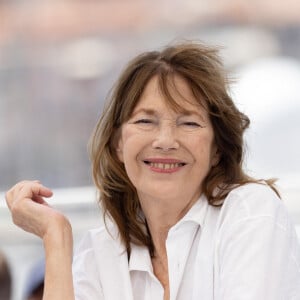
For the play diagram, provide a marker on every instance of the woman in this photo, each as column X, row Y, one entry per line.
column 183, row 221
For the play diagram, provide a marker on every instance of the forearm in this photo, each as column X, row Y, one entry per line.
column 58, row 244
column 33, row 214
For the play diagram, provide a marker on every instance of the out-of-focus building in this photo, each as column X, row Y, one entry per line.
column 58, row 60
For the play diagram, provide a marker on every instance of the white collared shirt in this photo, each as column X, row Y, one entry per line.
column 246, row 249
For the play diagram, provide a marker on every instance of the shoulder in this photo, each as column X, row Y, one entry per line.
column 99, row 249
column 253, row 201
column 100, row 260
column 100, row 239
column 254, row 212
column 256, row 239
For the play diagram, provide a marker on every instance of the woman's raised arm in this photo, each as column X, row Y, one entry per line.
column 33, row 214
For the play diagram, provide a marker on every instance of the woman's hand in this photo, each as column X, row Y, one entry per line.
column 30, row 211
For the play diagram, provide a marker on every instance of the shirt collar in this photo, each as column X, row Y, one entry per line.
column 196, row 214
column 140, row 258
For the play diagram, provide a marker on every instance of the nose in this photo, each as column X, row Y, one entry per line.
column 166, row 137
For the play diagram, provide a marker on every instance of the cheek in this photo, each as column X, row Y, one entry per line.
column 122, row 143
column 205, row 149
column 128, row 144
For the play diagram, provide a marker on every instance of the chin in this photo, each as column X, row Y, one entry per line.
column 165, row 193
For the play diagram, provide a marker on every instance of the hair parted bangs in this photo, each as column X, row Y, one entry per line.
column 202, row 69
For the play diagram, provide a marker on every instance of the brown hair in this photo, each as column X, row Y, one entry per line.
column 202, row 69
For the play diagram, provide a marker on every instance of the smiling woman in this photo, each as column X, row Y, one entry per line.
column 157, row 140
column 183, row 219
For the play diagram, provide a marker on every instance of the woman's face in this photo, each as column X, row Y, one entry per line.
column 167, row 154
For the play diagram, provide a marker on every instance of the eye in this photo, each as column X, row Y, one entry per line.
column 191, row 124
column 143, row 121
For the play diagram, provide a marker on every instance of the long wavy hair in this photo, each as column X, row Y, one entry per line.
column 202, row 69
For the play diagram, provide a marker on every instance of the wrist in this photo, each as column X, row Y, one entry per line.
column 58, row 235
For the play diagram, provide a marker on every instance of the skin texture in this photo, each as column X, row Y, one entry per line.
column 167, row 155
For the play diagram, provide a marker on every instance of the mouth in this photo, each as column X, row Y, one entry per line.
column 163, row 165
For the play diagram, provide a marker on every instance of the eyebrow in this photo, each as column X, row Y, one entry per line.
column 145, row 111
column 183, row 112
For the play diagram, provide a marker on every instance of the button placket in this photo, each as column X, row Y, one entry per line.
column 178, row 244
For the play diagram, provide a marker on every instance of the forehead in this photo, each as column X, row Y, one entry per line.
column 175, row 93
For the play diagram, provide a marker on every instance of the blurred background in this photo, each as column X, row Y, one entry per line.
column 59, row 60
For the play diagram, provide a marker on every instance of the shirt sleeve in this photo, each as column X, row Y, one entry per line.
column 85, row 274
column 258, row 259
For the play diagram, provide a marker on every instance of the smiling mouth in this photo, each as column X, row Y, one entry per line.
column 164, row 166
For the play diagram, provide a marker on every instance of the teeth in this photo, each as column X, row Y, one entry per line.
column 165, row 166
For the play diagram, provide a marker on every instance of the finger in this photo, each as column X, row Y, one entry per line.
column 33, row 189
column 39, row 200
column 18, row 186
column 27, row 189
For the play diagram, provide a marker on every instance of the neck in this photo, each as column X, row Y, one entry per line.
column 161, row 215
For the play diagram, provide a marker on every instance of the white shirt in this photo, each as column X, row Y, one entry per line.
column 246, row 249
